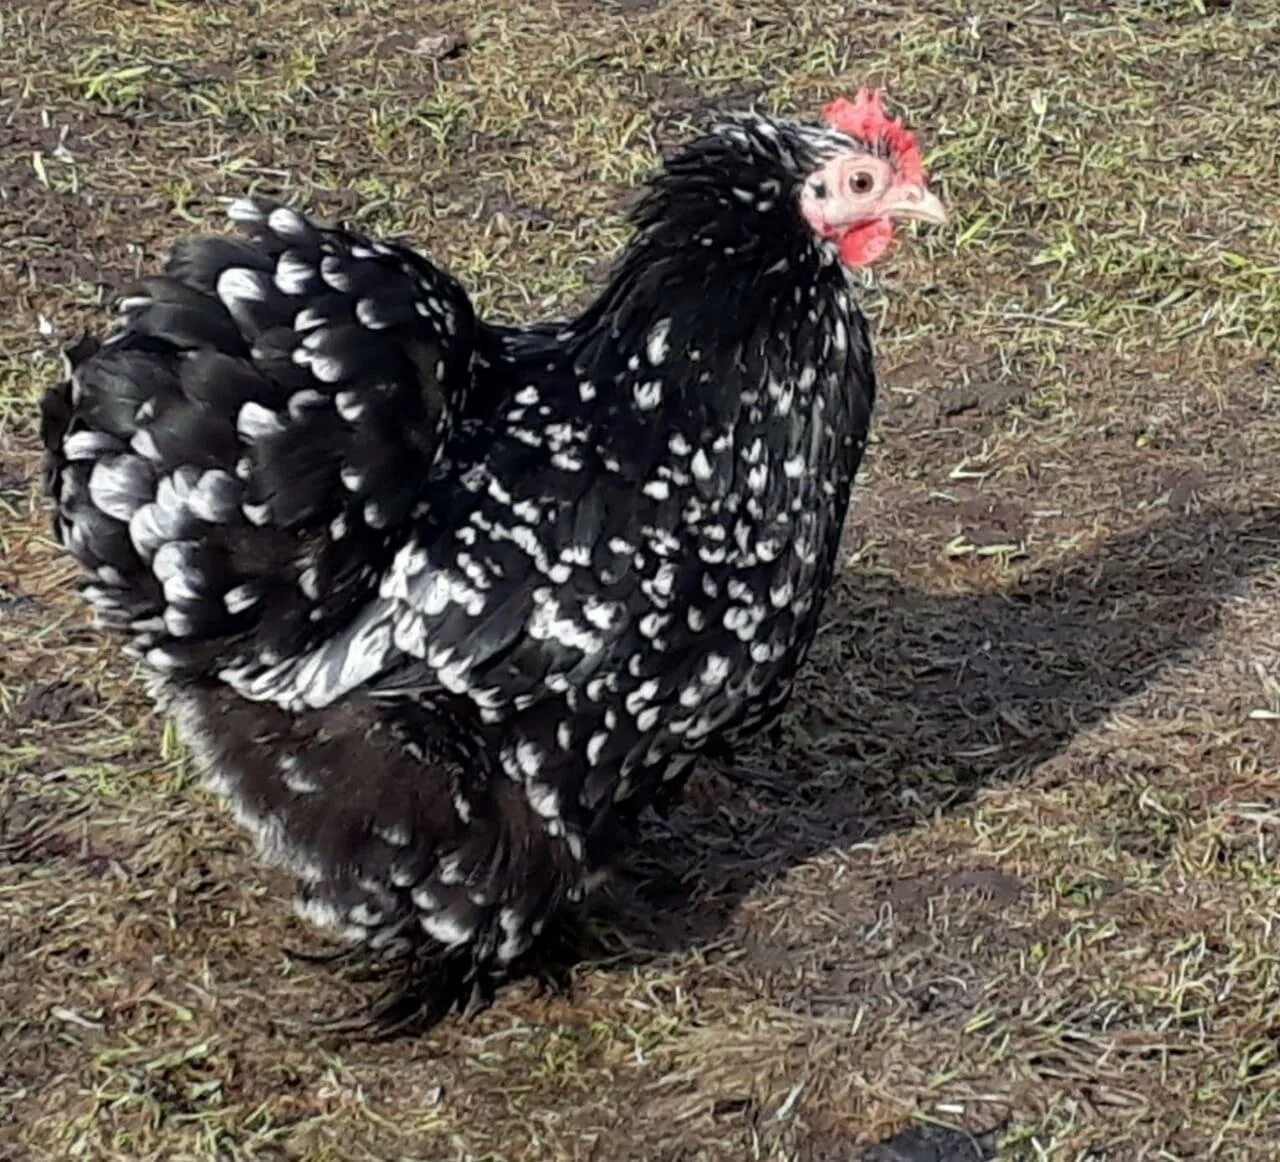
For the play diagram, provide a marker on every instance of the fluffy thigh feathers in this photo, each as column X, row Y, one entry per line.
column 386, row 815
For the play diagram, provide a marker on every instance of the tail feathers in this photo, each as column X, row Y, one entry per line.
column 387, row 818
column 236, row 465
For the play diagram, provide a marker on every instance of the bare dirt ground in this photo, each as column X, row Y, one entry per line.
column 1012, row 865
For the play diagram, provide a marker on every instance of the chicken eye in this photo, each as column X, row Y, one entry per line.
column 862, row 182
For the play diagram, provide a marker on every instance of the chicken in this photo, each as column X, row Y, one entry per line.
column 441, row 606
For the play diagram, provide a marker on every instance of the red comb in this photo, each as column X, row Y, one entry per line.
column 865, row 118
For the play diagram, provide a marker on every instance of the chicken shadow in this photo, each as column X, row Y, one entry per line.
column 915, row 700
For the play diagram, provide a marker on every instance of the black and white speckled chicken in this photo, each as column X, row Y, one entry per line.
column 441, row 605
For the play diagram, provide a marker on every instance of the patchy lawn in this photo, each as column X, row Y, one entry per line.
column 1013, row 862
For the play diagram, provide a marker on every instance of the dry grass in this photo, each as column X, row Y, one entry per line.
column 1014, row 861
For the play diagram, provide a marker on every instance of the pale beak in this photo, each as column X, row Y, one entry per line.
column 915, row 202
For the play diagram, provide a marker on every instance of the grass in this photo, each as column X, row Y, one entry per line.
column 1014, row 861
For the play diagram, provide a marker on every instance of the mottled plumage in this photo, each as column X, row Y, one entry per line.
column 441, row 605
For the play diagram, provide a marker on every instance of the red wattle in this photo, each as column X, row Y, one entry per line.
column 863, row 244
